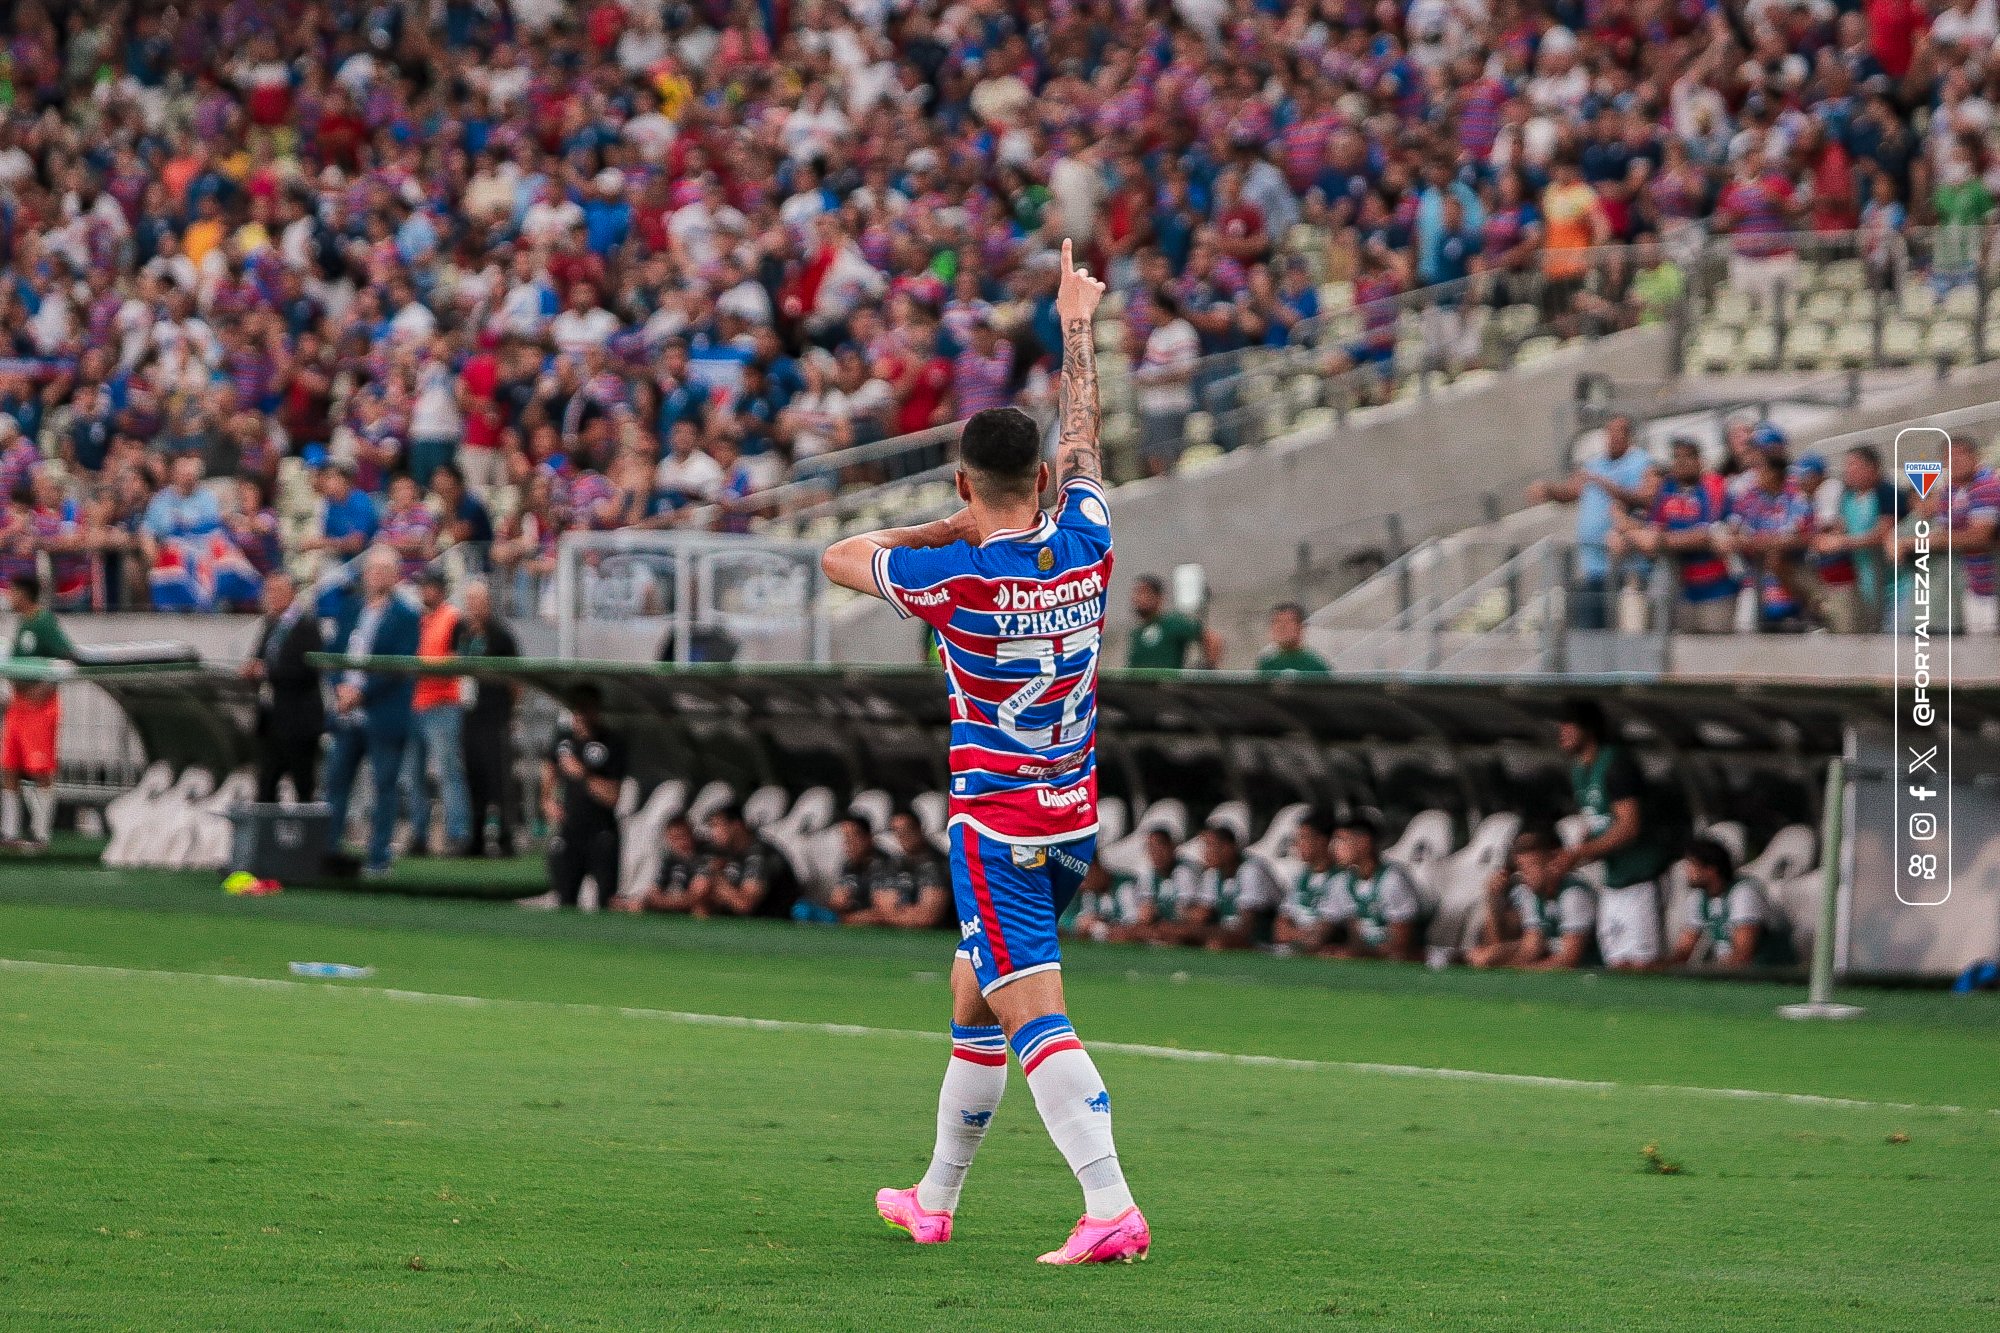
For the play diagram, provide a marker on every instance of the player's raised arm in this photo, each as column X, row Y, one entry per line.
column 850, row 562
column 1078, row 453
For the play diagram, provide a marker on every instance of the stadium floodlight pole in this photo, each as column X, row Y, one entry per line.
column 1819, row 991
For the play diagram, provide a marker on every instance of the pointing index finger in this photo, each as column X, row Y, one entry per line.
column 1065, row 255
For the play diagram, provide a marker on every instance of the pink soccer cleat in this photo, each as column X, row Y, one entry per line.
column 900, row 1209
column 1121, row 1240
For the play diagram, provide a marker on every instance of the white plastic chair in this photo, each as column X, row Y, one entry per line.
column 810, row 813
column 708, row 800
column 1111, row 824
column 640, row 833
column 209, row 833
column 129, row 814
column 875, row 806
column 1458, row 881
column 1124, row 855
column 932, row 808
column 765, row 806
column 1427, row 838
column 1730, row 834
column 1792, row 851
column 170, row 816
column 1276, row 844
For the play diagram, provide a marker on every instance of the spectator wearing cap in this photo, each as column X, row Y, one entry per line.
column 347, row 519
column 436, row 751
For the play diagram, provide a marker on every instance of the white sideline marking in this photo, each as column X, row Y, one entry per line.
column 860, row 1030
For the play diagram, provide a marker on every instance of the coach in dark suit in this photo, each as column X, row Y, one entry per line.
column 372, row 708
column 291, row 715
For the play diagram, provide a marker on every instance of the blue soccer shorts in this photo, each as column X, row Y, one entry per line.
column 1009, row 898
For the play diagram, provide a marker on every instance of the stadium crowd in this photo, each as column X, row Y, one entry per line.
column 1773, row 543
column 612, row 261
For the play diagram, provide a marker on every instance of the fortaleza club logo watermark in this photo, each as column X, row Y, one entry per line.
column 1925, row 616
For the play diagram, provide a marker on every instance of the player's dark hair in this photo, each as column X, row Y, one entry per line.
column 1151, row 581
column 1159, row 831
column 1001, row 449
column 28, row 586
column 1362, row 820
column 867, row 829
column 1292, row 608
column 1539, row 836
column 1320, row 821
column 1224, row 832
column 680, row 821
column 1587, row 716
column 729, row 812
column 1712, row 854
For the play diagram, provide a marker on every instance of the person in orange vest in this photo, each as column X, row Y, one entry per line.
column 437, row 730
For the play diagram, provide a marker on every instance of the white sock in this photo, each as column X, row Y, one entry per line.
column 41, row 811
column 974, row 1079
column 1070, row 1094
column 10, row 815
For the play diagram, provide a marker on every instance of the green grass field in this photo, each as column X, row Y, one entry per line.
column 180, row 1152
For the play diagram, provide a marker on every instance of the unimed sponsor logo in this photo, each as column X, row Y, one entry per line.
column 1062, row 800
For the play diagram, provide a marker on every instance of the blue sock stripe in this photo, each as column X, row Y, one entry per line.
column 981, row 1033
column 1033, row 1034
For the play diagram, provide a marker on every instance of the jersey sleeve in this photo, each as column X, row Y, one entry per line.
column 1399, row 896
column 911, row 579
column 1577, row 909
column 1746, row 904
column 1085, row 509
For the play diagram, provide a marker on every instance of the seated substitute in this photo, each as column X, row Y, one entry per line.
column 744, row 875
column 1303, row 920
column 1728, row 922
column 1373, row 909
column 1535, row 917
column 679, row 861
column 580, row 780
column 1140, row 908
column 1234, row 897
column 847, row 893
column 910, row 888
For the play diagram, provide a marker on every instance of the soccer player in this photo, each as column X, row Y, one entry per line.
column 1373, row 904
column 1727, row 922
column 1017, row 598
column 1619, row 832
column 1535, row 918
column 28, row 736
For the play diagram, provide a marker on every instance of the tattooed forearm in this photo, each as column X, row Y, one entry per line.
column 1077, row 450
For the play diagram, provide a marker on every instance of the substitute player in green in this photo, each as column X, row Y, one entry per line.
column 1610, row 793
column 1162, row 638
column 34, row 715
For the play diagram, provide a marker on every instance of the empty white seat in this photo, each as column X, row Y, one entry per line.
column 764, row 806
column 129, row 813
column 1275, row 844
column 1792, row 851
column 1730, row 834
column 204, row 844
column 1425, row 839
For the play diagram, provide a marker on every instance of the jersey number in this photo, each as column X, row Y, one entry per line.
column 1045, row 654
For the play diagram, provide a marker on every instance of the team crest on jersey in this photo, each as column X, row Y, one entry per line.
column 1045, row 560
column 1923, row 476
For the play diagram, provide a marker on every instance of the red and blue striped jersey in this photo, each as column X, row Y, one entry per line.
column 1020, row 621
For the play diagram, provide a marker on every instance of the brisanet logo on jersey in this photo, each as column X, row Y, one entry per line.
column 1926, row 613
